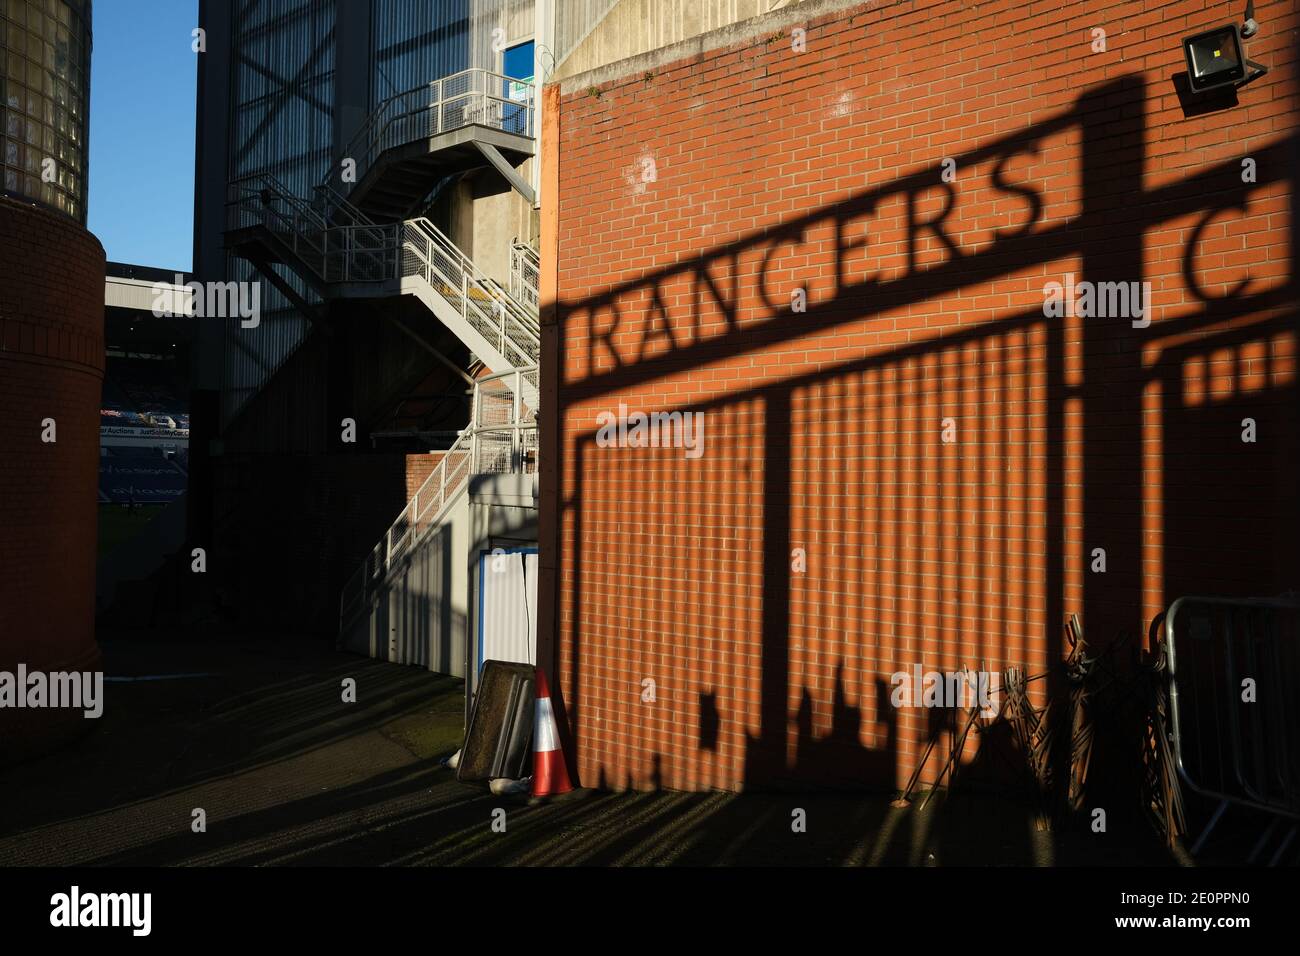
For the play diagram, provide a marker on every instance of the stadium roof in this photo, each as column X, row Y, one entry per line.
column 138, row 288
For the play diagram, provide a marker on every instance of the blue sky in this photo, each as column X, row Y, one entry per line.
column 142, row 86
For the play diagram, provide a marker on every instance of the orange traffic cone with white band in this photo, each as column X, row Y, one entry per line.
column 550, row 775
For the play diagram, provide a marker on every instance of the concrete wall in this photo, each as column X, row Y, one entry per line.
column 503, row 216
column 486, row 215
column 631, row 27
column 910, row 458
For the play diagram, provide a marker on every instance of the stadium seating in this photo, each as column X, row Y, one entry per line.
column 142, row 393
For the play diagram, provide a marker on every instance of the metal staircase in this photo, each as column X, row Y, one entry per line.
column 355, row 239
column 343, row 254
column 500, row 439
column 461, row 122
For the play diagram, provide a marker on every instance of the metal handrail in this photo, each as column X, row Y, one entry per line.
column 259, row 199
column 525, row 273
column 480, row 449
column 364, row 251
column 429, row 254
column 263, row 182
column 454, row 102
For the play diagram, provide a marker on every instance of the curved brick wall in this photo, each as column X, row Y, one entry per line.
column 51, row 366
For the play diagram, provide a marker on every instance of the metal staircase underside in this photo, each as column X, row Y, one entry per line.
column 400, row 178
column 462, row 122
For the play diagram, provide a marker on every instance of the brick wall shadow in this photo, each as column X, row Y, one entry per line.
column 970, row 553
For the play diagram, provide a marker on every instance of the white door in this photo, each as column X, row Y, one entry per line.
column 507, row 611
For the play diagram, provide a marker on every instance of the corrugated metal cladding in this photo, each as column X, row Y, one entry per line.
column 417, row 43
column 282, row 77
column 507, row 628
column 282, row 72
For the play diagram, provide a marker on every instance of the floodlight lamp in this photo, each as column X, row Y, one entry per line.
column 1216, row 58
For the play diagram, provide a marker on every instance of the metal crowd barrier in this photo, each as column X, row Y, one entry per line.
column 1234, row 668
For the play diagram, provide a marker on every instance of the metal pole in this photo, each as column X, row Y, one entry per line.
column 516, row 413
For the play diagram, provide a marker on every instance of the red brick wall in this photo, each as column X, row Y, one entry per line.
column 418, row 468
column 51, row 366
column 776, row 170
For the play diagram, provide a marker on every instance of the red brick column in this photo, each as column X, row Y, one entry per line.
column 51, row 367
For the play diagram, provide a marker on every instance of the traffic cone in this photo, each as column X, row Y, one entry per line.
column 550, row 775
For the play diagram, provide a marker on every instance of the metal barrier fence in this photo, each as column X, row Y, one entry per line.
column 1234, row 669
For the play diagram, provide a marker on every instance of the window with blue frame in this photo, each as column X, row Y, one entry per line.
column 518, row 65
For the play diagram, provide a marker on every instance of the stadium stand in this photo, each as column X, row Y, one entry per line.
column 144, row 429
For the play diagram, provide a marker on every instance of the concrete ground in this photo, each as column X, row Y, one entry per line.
column 288, row 774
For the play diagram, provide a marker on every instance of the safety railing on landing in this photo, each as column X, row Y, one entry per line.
column 473, row 97
column 260, row 200
column 500, row 439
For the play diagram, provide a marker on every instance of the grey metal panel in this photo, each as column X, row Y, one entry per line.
column 417, row 43
column 358, row 638
column 211, row 162
column 141, row 295
column 252, row 355
column 419, row 619
column 282, row 75
column 509, row 604
column 283, row 96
